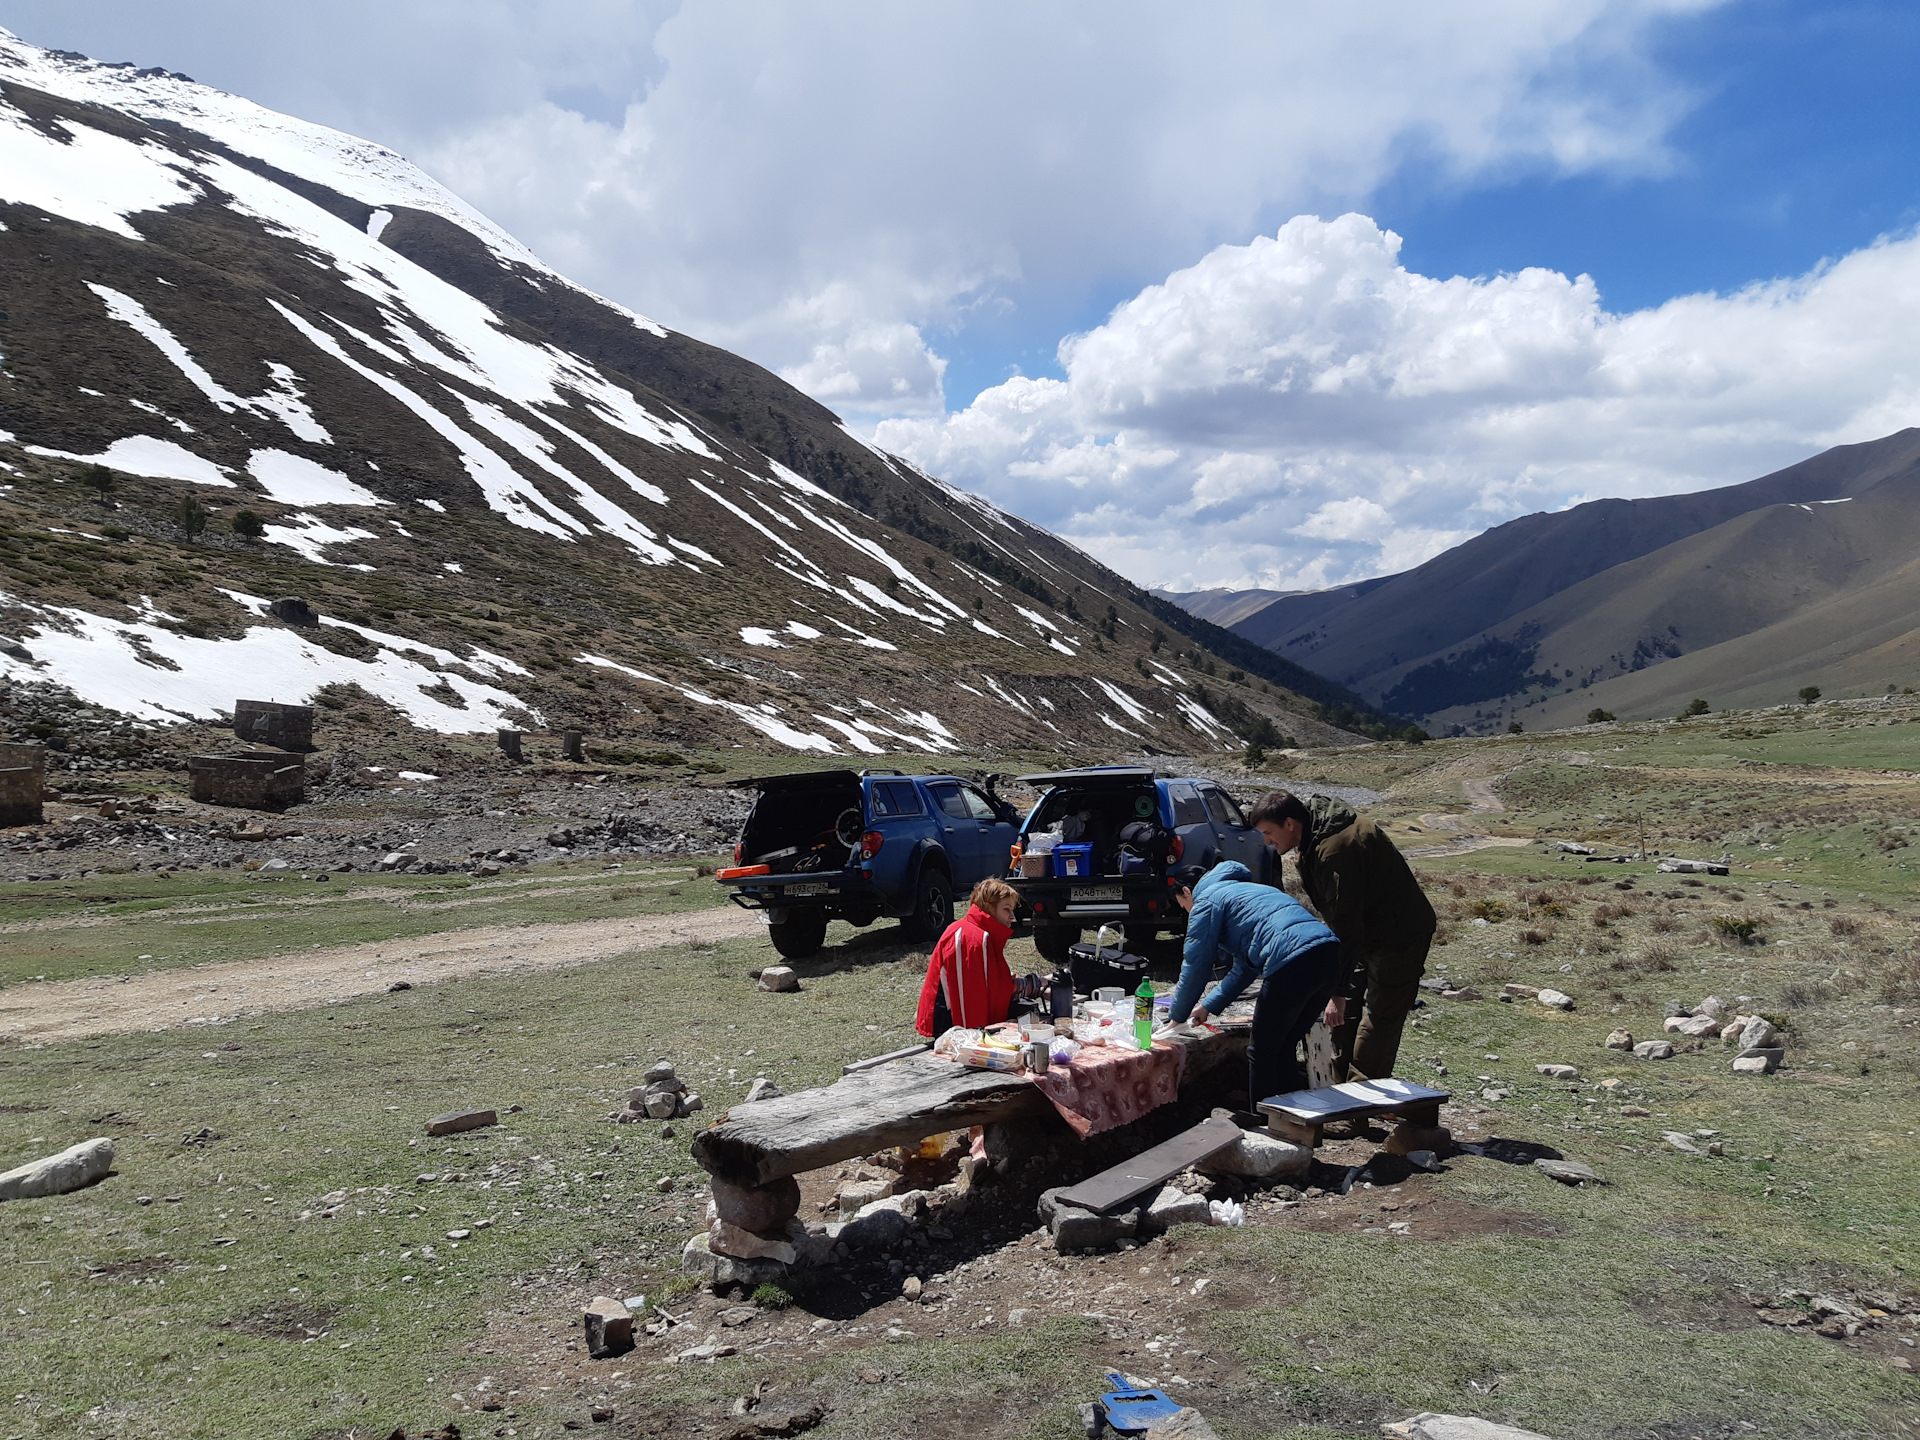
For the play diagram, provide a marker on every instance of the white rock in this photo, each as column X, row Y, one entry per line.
column 1654, row 1050
column 663, row 1106
column 763, row 1089
column 1713, row 1005
column 779, row 977
column 1558, row 999
column 725, row 1239
column 1263, row 1156
column 1558, row 1072
column 1673, row 1023
column 1428, row 1426
column 1763, row 1063
column 1758, row 1035
column 1620, row 1040
column 72, row 1169
column 1698, row 1025
column 1683, row 1143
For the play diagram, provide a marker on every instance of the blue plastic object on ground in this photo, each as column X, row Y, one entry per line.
column 1134, row 1411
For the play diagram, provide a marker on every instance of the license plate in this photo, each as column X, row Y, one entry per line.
column 814, row 887
column 1083, row 893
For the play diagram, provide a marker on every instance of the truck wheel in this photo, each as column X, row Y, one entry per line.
column 932, row 907
column 1054, row 942
column 801, row 934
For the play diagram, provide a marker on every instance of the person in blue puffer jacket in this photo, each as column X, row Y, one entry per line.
column 1261, row 930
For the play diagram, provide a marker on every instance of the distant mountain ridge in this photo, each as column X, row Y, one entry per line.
column 1597, row 606
column 511, row 502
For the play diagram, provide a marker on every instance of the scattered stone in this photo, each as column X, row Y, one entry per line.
column 1758, row 1035
column 763, row 1089
column 731, row 1240
column 455, row 1121
column 1465, row 992
column 720, row 1271
column 777, row 1420
column 1558, row 999
column 664, row 1184
column 779, row 977
column 662, row 1105
column 1260, row 1156
column 1428, row 1426
column 1075, row 1229
column 1784, row 1317
column 609, row 1327
column 708, row 1353
column 1493, row 1095
column 1713, row 1005
column 855, row 1195
column 395, row 860
column 1654, row 1050
column 600, row 1414
column 1521, row 992
column 913, row 1289
column 1568, row 1172
column 398, row 985
column 1683, row 1143
column 1639, row 1111
column 1619, row 1040
column 72, row 1169
column 659, row 1071
column 1694, row 1026
column 1690, row 867
column 458, row 1234
column 1558, row 1072
column 736, row 1316
column 1761, row 1062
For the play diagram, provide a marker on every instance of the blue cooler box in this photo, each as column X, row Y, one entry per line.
column 1072, row 862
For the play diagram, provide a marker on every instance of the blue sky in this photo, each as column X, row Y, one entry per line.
column 1131, row 270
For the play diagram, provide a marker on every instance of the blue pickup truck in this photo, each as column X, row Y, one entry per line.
column 1136, row 826
column 839, row 844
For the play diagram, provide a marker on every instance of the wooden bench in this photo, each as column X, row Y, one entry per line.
column 1301, row 1115
column 898, row 1103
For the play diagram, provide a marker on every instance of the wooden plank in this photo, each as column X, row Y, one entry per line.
column 1353, row 1100
column 899, row 1103
column 1152, row 1167
column 886, row 1059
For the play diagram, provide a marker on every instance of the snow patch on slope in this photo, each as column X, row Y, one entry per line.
column 145, row 455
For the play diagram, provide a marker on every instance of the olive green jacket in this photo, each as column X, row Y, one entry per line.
column 1364, row 889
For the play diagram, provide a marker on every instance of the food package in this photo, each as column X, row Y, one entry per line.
column 990, row 1057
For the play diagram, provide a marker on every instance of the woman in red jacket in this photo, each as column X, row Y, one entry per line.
column 968, row 982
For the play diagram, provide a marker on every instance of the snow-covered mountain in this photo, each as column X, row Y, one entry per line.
column 244, row 357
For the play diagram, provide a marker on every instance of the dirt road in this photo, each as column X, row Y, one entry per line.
column 1480, row 796
column 214, row 994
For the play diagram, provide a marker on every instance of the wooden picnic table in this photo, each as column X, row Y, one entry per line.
column 901, row 1103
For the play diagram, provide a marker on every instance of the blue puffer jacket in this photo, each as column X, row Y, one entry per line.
column 1257, row 927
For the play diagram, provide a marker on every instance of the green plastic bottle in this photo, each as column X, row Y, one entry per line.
column 1143, row 1014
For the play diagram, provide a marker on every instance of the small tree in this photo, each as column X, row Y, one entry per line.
column 190, row 515
column 1697, row 707
column 1597, row 716
column 1516, row 728
column 1256, row 755
column 248, row 525
column 1809, row 694
column 98, row 479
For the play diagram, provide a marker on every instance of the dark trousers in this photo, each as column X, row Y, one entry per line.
column 1291, row 999
column 1368, row 1045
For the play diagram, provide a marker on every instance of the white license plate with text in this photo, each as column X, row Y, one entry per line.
column 1083, row 894
column 811, row 887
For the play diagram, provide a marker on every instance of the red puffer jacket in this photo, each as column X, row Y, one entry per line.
column 970, row 966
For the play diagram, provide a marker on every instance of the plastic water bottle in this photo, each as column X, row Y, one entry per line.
column 1143, row 1014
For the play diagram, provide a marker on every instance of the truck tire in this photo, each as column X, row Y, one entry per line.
column 801, row 934
column 1054, row 942
column 932, row 906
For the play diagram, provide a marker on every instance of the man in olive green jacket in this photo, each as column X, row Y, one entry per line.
column 1368, row 895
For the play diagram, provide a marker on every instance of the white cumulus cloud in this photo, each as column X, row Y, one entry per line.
column 1304, row 409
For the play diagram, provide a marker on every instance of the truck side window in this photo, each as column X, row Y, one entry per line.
column 1187, row 809
column 1226, row 809
column 894, row 797
column 947, row 797
column 977, row 805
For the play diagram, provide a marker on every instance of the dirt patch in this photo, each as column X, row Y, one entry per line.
column 1427, row 1217
column 213, row 994
column 289, row 1320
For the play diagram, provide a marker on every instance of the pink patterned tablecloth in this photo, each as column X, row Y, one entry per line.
column 1105, row 1087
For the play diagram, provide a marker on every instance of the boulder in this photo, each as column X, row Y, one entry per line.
column 1175, row 1207
column 1520, row 992
column 725, row 1239
column 1567, row 1172
column 1620, row 1040
column 658, row 1071
column 1694, row 1026
column 719, row 1271
column 455, row 1121
column 1558, row 1072
column 663, row 1105
column 1713, row 1005
column 1257, row 1154
column 1654, row 1050
column 1558, row 999
column 856, row 1195
column 761, row 1207
column 1075, row 1229
column 1759, row 1062
column 72, row 1169
column 779, row 977
column 763, row 1089
column 1758, row 1035
column 876, row 1226
column 1429, row 1426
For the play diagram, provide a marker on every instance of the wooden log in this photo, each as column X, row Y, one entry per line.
column 899, row 1103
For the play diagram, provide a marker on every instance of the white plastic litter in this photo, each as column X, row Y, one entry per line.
column 1227, row 1212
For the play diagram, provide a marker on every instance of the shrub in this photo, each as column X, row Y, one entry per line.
column 1515, row 728
column 1663, row 924
column 248, row 525
column 1744, row 929
column 1535, row 937
column 1492, row 911
column 1809, row 694
column 1597, row 716
column 98, row 479
column 772, row 1297
column 190, row 515
column 1696, row 707
column 1844, row 925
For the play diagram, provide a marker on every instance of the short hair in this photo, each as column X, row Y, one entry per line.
column 1277, row 807
column 990, row 892
column 1187, row 878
